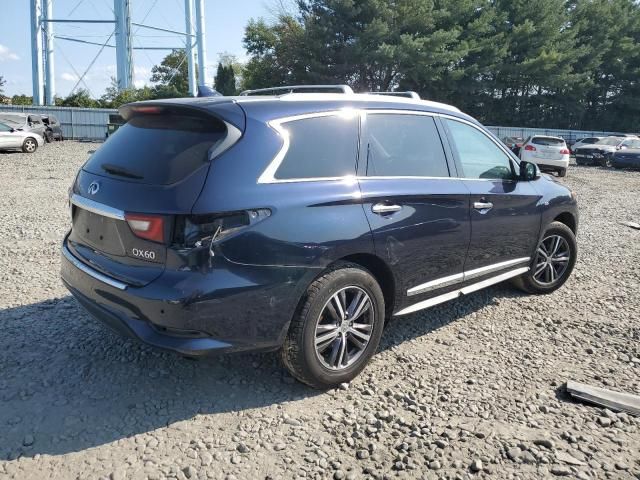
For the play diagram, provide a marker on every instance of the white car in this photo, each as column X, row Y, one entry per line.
column 10, row 139
column 585, row 141
column 549, row 153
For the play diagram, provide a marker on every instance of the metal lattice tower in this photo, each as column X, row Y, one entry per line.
column 43, row 52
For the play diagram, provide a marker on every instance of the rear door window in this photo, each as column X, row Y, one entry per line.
column 319, row 147
column 479, row 156
column 157, row 149
column 404, row 145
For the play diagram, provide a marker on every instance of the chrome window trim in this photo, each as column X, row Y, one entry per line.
column 268, row 175
column 430, row 302
column 91, row 272
column 464, row 276
column 95, row 207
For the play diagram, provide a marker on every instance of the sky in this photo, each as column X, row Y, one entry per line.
column 225, row 23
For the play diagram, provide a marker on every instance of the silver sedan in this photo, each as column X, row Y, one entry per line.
column 10, row 139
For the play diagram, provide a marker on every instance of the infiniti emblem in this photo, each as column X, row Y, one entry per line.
column 93, row 188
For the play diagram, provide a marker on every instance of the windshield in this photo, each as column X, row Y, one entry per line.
column 549, row 141
column 157, row 149
column 612, row 141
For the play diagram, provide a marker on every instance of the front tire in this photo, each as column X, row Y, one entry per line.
column 553, row 261
column 29, row 145
column 336, row 329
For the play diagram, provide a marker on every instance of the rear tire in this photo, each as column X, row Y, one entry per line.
column 606, row 161
column 29, row 145
column 321, row 348
column 562, row 172
column 548, row 270
column 48, row 136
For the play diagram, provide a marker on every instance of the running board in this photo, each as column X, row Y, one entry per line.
column 430, row 302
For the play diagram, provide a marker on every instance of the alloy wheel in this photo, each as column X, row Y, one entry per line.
column 552, row 260
column 30, row 145
column 344, row 328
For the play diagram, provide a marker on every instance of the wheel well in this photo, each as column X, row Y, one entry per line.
column 381, row 272
column 567, row 219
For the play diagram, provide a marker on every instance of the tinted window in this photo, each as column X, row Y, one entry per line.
column 549, row 141
column 320, row 147
column 478, row 155
column 4, row 128
column 404, row 145
column 159, row 149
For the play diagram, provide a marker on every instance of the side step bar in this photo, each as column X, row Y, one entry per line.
column 430, row 302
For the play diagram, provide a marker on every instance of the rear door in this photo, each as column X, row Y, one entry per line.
column 418, row 211
column 128, row 193
column 505, row 217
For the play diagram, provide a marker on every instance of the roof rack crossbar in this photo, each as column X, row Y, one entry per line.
column 407, row 94
column 298, row 89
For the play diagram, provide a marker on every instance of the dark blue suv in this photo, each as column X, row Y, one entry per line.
column 300, row 222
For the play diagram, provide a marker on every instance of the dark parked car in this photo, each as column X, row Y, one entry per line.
column 601, row 153
column 53, row 128
column 514, row 143
column 301, row 222
column 627, row 157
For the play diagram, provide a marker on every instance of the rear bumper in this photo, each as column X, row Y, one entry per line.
column 229, row 308
column 552, row 164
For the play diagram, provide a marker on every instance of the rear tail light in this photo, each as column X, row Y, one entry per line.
column 530, row 148
column 149, row 227
column 565, row 151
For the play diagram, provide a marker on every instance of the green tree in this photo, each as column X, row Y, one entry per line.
column 172, row 73
column 21, row 100
column 80, row 98
column 225, row 81
column 113, row 97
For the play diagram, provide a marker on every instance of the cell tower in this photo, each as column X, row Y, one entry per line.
column 42, row 45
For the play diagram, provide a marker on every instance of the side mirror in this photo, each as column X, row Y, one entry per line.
column 528, row 171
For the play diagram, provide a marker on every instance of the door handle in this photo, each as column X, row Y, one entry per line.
column 483, row 207
column 382, row 208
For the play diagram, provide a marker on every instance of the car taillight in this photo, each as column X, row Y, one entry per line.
column 530, row 148
column 565, row 151
column 149, row 227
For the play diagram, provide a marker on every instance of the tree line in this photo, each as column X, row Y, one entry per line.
column 534, row 63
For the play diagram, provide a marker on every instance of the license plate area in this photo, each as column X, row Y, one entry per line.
column 98, row 232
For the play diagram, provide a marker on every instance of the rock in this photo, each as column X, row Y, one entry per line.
column 514, row 453
column 236, row 459
column 242, row 448
column 604, row 421
column 560, row 471
column 190, row 472
column 279, row 446
column 476, row 465
column 362, row 454
column 621, row 466
column 338, row 475
column 293, row 422
column 206, row 458
column 568, row 458
column 435, row 465
column 545, row 442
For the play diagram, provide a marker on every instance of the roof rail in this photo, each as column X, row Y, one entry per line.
column 298, row 89
column 407, row 94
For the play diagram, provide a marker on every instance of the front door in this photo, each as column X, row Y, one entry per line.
column 505, row 217
column 418, row 211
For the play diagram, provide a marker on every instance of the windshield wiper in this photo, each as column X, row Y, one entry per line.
column 123, row 172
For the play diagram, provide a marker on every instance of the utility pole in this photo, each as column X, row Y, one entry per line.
column 124, row 56
column 200, row 38
column 37, row 59
column 191, row 61
column 50, row 80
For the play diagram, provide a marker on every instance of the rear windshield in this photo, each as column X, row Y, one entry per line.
column 160, row 149
column 550, row 141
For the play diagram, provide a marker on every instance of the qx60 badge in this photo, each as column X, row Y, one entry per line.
column 93, row 188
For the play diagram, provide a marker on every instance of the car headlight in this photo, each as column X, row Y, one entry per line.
column 597, row 155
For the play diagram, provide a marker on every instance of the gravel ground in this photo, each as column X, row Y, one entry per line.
column 469, row 389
